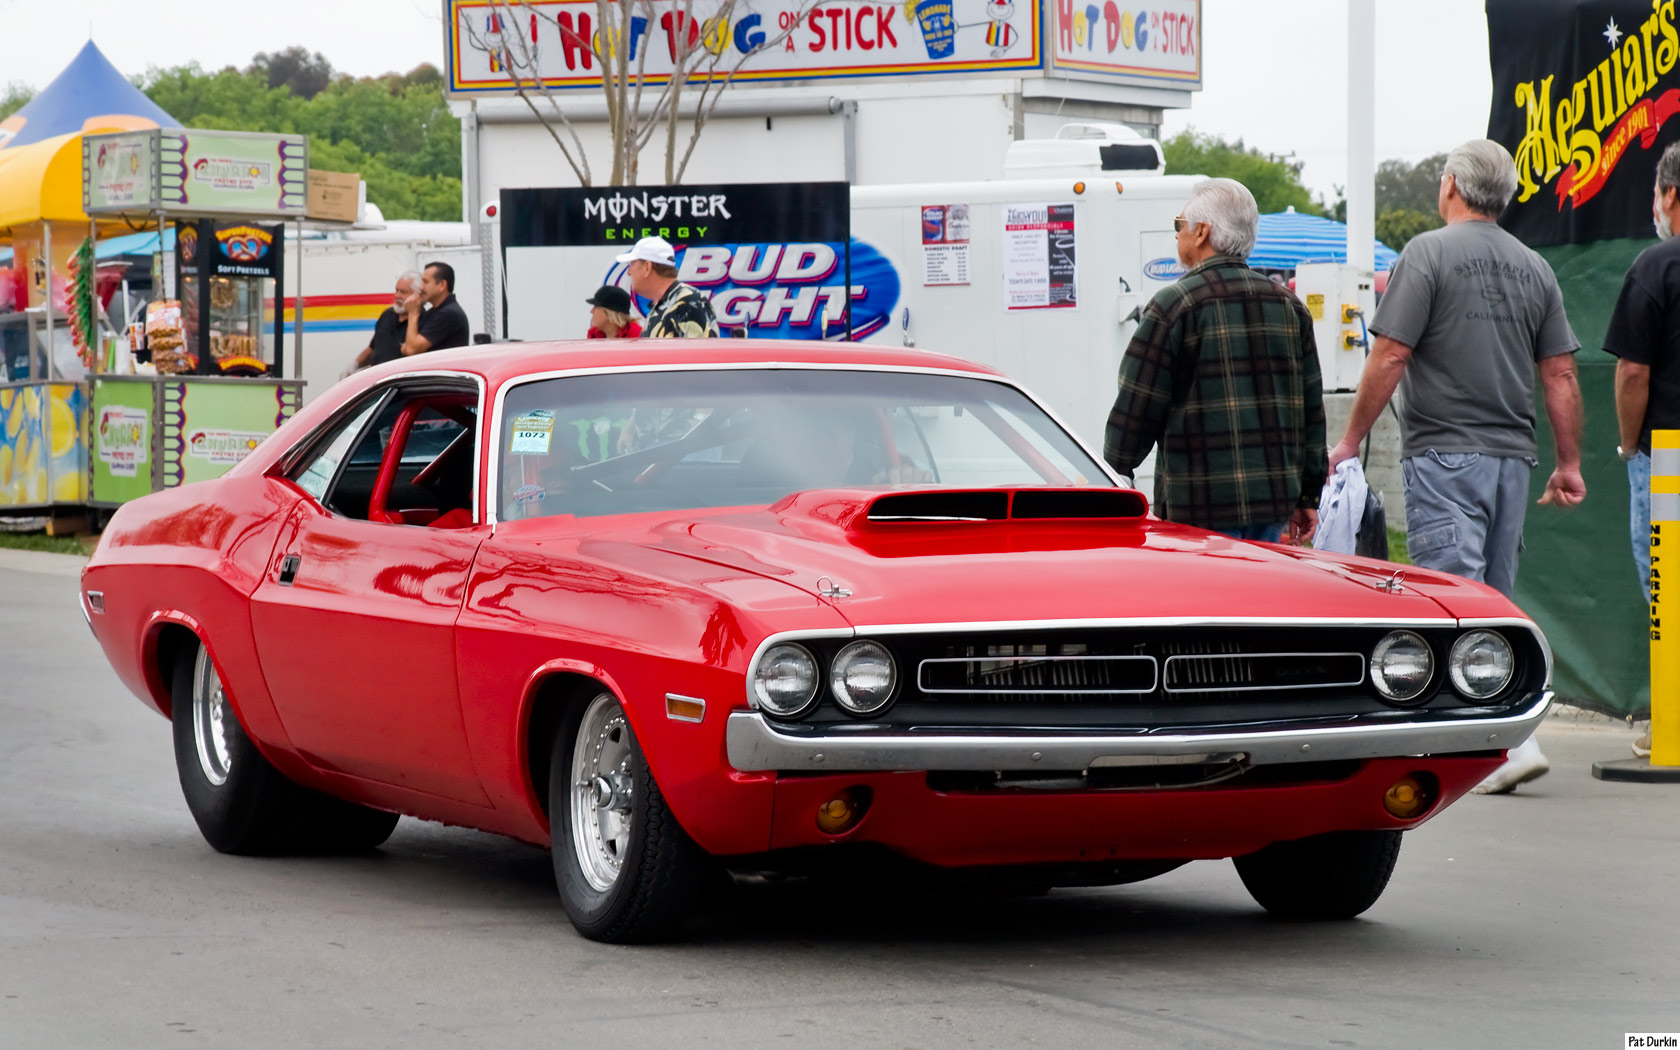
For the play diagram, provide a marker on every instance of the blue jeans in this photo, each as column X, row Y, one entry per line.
column 1262, row 533
column 1639, row 518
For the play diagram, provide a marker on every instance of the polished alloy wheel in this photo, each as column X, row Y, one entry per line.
column 602, row 792
column 210, row 714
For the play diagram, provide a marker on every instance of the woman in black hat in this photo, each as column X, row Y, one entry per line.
column 610, row 318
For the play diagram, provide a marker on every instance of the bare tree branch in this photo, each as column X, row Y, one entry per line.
column 703, row 111
column 579, row 162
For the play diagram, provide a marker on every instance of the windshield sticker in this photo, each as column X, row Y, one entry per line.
column 532, row 433
column 529, row 495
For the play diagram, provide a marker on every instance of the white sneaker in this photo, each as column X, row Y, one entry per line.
column 1523, row 764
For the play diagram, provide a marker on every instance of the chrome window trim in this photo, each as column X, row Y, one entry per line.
column 287, row 460
column 753, row 744
column 1361, row 658
column 494, row 478
column 1154, row 665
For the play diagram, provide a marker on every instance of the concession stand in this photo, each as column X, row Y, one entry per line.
column 214, row 333
column 51, row 291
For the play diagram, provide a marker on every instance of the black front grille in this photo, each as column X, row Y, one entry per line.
column 1151, row 678
column 1030, row 669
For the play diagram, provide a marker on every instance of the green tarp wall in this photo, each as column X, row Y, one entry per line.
column 1577, row 578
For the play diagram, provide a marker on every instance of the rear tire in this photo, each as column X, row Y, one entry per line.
column 242, row 804
column 1333, row 876
column 626, row 870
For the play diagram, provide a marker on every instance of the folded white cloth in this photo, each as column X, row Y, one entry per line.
column 1341, row 508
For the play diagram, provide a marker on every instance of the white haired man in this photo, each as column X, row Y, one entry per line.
column 1222, row 374
column 388, row 331
column 1470, row 315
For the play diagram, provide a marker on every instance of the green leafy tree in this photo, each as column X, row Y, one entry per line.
column 1275, row 181
column 303, row 74
column 395, row 131
column 16, row 97
column 1410, row 187
column 1396, row 226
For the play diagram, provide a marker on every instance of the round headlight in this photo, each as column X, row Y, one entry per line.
column 1401, row 666
column 786, row 679
column 1481, row 664
column 863, row 677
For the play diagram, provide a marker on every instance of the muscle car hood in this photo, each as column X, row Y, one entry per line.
column 913, row 571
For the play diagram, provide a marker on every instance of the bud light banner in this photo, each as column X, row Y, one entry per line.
column 787, row 290
column 1585, row 95
column 777, row 260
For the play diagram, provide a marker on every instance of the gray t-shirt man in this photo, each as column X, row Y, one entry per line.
column 1479, row 309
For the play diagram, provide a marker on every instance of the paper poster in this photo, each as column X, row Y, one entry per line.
column 123, row 438
column 532, row 433
column 1039, row 260
column 945, row 231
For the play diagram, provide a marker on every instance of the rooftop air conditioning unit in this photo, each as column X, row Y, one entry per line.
column 1085, row 150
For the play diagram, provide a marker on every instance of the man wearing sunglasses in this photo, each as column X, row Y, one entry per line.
column 1222, row 374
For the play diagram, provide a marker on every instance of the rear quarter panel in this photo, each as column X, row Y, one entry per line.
column 191, row 556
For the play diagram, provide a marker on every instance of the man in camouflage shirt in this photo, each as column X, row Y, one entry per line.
column 1222, row 374
column 678, row 311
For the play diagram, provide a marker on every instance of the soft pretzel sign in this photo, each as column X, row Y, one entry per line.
column 563, row 43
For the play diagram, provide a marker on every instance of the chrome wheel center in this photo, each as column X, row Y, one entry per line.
column 603, row 793
column 210, row 716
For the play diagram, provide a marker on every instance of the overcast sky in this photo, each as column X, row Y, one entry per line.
column 1275, row 72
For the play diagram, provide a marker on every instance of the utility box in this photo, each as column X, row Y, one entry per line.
column 1341, row 300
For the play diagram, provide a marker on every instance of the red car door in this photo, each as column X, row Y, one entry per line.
column 355, row 620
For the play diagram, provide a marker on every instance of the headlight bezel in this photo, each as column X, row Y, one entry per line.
column 1381, row 684
column 760, row 696
column 1457, row 654
column 836, row 675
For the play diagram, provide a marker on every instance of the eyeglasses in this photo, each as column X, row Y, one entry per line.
column 1180, row 222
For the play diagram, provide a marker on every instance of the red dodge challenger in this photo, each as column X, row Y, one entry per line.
column 675, row 608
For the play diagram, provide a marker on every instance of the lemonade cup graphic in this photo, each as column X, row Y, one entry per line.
column 939, row 28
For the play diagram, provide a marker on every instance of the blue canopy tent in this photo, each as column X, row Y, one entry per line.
column 88, row 93
column 1288, row 238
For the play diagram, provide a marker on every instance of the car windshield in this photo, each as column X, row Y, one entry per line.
column 675, row 440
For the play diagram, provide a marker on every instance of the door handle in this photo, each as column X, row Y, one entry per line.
column 289, row 569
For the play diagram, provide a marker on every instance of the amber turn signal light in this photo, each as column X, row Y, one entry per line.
column 842, row 812
column 1409, row 797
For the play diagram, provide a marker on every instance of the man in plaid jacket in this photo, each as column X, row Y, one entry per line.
column 1222, row 374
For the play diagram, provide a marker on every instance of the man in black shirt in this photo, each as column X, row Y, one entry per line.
column 388, row 331
column 1644, row 335
column 442, row 326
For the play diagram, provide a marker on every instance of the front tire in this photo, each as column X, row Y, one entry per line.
column 1333, row 876
column 626, row 870
column 242, row 804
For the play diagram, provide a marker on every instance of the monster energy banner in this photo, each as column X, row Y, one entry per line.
column 1585, row 93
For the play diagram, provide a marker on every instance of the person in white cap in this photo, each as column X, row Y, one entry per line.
column 677, row 310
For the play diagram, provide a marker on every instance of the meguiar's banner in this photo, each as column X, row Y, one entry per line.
column 1584, row 93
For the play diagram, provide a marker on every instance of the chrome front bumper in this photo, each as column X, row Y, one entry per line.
column 755, row 744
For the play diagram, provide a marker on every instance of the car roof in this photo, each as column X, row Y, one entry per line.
column 500, row 362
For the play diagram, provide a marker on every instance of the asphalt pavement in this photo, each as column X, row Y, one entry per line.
column 1549, row 918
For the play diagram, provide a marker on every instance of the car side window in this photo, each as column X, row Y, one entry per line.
column 433, row 484
column 315, row 475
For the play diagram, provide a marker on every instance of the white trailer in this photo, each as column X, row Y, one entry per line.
column 347, row 279
column 1038, row 275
